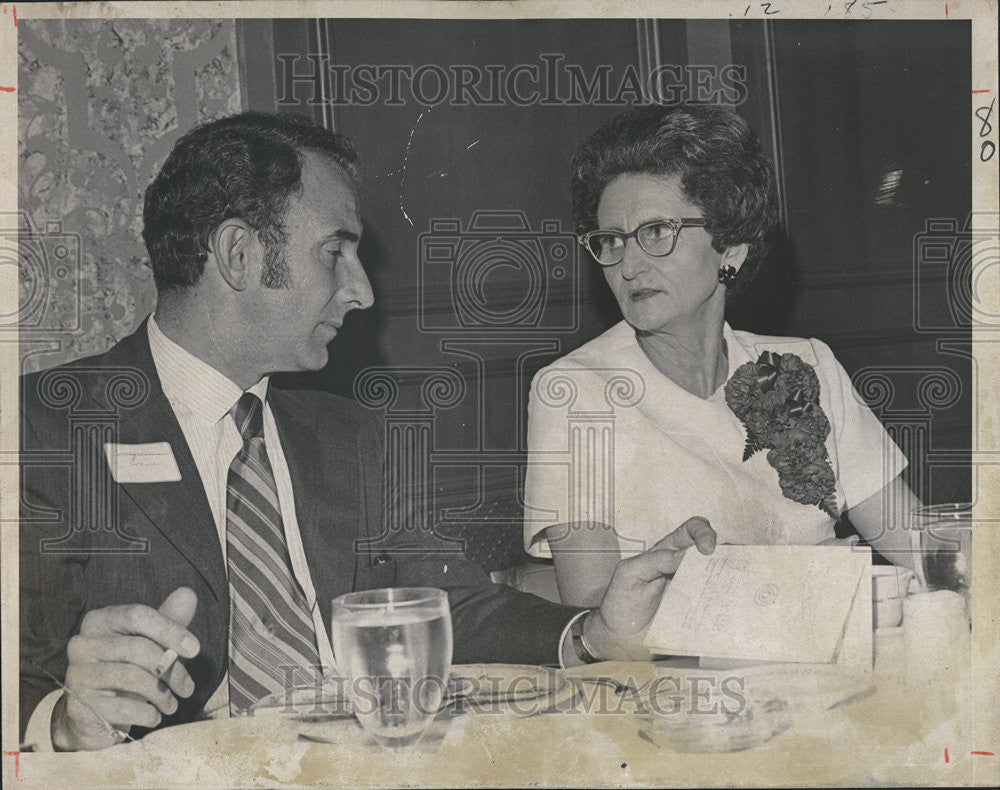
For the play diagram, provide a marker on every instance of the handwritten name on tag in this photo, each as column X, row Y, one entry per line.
column 142, row 463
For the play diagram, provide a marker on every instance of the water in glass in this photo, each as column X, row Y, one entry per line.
column 394, row 646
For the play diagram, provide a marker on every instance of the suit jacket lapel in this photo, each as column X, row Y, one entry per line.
column 179, row 510
column 323, row 466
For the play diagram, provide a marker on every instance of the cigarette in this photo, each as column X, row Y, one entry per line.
column 166, row 661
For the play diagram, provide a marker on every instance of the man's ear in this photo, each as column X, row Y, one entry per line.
column 233, row 249
column 735, row 255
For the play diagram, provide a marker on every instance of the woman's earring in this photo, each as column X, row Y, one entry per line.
column 727, row 275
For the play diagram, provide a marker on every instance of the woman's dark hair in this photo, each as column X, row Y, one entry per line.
column 722, row 169
column 244, row 166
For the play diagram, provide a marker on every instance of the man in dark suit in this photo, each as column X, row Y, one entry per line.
column 208, row 516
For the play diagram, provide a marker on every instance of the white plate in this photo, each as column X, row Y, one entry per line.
column 312, row 702
column 693, row 710
column 510, row 688
column 813, row 686
column 472, row 688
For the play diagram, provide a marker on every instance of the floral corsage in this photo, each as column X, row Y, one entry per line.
column 777, row 399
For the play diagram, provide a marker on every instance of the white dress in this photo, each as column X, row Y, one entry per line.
column 612, row 440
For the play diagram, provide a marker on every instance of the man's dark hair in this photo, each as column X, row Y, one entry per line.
column 246, row 166
column 719, row 160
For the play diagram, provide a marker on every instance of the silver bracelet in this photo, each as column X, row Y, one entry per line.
column 580, row 647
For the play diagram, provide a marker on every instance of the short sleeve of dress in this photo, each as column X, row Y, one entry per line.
column 867, row 459
column 547, row 484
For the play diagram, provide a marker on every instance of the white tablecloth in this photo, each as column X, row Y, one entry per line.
column 887, row 729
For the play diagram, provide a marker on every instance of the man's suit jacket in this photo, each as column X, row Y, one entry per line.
column 87, row 542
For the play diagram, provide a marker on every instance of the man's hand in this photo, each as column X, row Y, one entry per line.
column 616, row 630
column 111, row 671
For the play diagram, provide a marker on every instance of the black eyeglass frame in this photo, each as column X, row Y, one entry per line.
column 676, row 224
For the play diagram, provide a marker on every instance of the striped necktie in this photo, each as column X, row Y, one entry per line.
column 272, row 640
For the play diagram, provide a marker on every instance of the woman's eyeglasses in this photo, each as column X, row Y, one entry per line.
column 657, row 238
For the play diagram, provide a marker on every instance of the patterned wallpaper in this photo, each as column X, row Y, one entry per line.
column 100, row 104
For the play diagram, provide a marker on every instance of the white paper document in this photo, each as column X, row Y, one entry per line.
column 769, row 603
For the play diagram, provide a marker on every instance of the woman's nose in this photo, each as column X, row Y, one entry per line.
column 634, row 262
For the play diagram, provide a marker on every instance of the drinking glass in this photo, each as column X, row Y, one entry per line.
column 942, row 543
column 394, row 647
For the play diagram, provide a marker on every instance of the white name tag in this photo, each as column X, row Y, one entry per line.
column 142, row 463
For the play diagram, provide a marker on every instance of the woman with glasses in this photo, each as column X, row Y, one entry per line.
column 672, row 414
